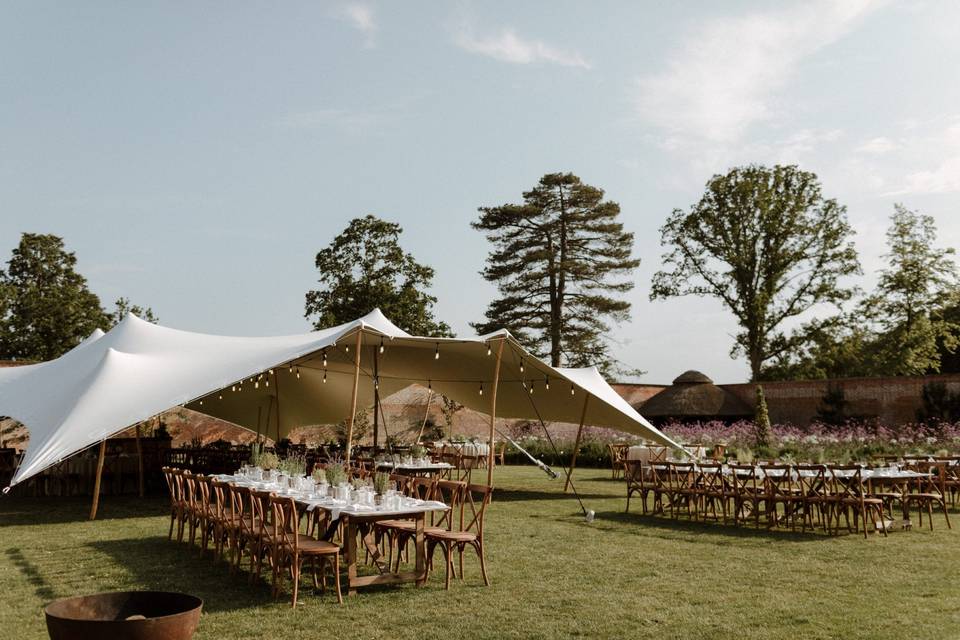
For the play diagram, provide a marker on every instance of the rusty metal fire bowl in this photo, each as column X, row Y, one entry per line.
column 124, row 615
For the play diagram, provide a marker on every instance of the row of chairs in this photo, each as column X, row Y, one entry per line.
column 784, row 495
column 240, row 522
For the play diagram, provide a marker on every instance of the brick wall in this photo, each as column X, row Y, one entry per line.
column 894, row 400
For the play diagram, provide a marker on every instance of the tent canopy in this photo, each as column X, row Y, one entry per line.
column 112, row 381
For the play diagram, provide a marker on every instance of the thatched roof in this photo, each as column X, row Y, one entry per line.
column 693, row 395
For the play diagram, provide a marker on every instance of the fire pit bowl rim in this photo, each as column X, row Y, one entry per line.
column 197, row 603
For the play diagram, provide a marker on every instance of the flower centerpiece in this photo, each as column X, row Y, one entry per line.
column 381, row 482
column 268, row 461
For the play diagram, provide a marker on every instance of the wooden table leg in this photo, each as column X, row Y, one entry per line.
column 421, row 552
column 351, row 532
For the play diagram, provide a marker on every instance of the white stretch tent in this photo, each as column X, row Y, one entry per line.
column 272, row 385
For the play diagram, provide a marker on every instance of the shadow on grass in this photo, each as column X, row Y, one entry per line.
column 25, row 511
column 156, row 563
column 41, row 587
column 519, row 495
column 690, row 526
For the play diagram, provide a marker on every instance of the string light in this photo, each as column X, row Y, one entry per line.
column 233, row 388
column 347, row 348
column 290, row 367
column 324, row 359
column 376, row 383
column 201, row 403
column 546, row 384
column 436, row 354
column 381, row 345
column 481, row 388
column 256, row 385
column 489, row 349
column 266, row 382
column 572, row 391
column 324, row 376
column 430, row 385
column 271, row 371
column 521, row 365
column 298, row 373
column 219, row 396
column 531, row 388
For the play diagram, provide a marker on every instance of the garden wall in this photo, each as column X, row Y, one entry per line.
column 894, row 400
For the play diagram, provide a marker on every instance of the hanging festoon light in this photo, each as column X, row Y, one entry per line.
column 481, row 388
column 572, row 391
column 489, row 349
column 219, row 396
column 324, row 376
column 436, row 354
column 521, row 365
column 546, row 383
column 290, row 367
column 531, row 387
column 324, row 358
column 430, row 385
column 381, row 345
column 201, row 403
column 298, row 373
column 376, row 383
column 233, row 388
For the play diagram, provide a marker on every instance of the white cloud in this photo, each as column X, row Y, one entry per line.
column 361, row 17
column 878, row 146
column 507, row 46
column 935, row 145
column 727, row 74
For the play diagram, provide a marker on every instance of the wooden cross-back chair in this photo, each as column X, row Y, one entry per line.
column 192, row 501
column 225, row 525
column 395, row 532
column 248, row 527
column 746, row 486
column 618, row 457
column 634, row 472
column 780, row 489
column 683, row 481
column 292, row 549
column 852, row 492
column 206, row 511
column 178, row 504
column 476, row 498
column 263, row 543
column 818, row 504
column 930, row 491
column 660, row 487
column 712, row 492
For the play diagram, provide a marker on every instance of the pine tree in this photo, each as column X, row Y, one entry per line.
column 762, row 422
column 559, row 259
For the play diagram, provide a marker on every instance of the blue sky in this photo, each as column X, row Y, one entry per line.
column 197, row 155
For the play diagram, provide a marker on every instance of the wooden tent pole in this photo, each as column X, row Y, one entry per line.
column 96, row 482
column 376, row 397
column 576, row 445
column 426, row 414
column 139, row 459
column 493, row 413
column 353, row 398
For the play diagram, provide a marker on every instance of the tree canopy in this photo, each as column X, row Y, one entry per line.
column 907, row 326
column 768, row 245
column 559, row 259
column 47, row 308
column 365, row 268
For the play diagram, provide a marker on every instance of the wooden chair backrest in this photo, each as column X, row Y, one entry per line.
column 779, row 480
column 935, row 483
column 189, row 484
column 402, row 483
column 659, row 474
column 240, row 500
column 711, row 477
column 261, row 511
column 476, row 498
column 812, row 481
column 683, row 475
column 286, row 522
column 744, row 479
column 422, row 487
column 451, row 493
column 847, row 481
column 220, row 491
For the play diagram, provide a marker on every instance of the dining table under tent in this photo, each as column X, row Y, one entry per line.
column 272, row 385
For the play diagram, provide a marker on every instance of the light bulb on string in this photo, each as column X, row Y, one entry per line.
column 521, row 366
column 489, row 349
column 531, row 388
column 256, row 385
column 290, row 368
column 546, row 384
column 572, row 391
column 430, row 385
column 347, row 348
column 298, row 373
column 219, row 396
column 266, row 382
column 376, row 383
column 233, row 388
column 201, row 403
column 481, row 388
column 436, row 354
column 271, row 371
column 381, row 345
column 324, row 376
column 324, row 359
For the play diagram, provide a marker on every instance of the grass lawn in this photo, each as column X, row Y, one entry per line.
column 552, row 575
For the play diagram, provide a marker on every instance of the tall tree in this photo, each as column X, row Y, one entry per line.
column 558, row 260
column 365, row 268
column 47, row 308
column 123, row 306
column 913, row 294
column 767, row 244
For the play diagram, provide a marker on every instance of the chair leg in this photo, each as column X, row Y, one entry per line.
column 336, row 576
column 483, row 564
